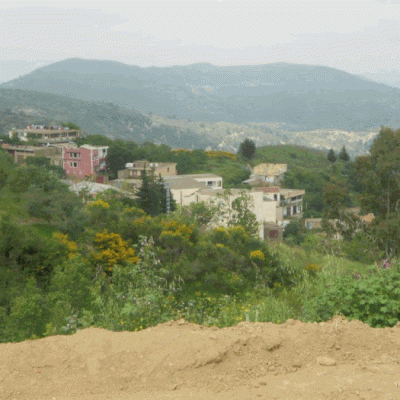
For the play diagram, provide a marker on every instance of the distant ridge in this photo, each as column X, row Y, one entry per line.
column 305, row 96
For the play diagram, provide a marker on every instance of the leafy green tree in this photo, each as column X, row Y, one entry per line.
column 118, row 154
column 6, row 166
column 95, row 140
column 343, row 155
column 379, row 173
column 52, row 206
column 331, row 156
column 335, row 195
column 71, row 125
column 27, row 315
column 44, row 162
column 243, row 216
column 247, row 149
column 294, row 232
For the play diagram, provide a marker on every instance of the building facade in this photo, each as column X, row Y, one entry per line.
column 272, row 174
column 134, row 169
column 84, row 161
column 45, row 134
column 20, row 153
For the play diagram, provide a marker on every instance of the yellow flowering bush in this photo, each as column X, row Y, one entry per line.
column 226, row 154
column 99, row 203
column 112, row 249
column 71, row 246
column 174, row 228
column 257, row 255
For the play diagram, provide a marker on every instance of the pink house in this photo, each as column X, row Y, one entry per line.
column 84, row 161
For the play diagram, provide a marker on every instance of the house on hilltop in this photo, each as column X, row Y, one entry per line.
column 267, row 174
column 134, row 169
column 45, row 134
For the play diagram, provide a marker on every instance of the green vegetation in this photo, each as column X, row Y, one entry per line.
column 68, row 262
column 247, row 149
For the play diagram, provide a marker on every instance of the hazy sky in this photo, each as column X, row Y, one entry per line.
column 356, row 36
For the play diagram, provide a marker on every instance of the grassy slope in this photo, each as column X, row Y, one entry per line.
column 298, row 157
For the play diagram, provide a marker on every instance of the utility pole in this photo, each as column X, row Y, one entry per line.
column 168, row 196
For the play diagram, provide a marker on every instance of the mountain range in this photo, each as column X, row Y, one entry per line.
column 308, row 97
column 203, row 105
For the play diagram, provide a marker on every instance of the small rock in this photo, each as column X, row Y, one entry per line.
column 214, row 337
column 181, row 322
column 326, row 361
column 262, row 383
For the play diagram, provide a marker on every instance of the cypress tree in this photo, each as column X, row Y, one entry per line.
column 343, row 155
column 331, row 156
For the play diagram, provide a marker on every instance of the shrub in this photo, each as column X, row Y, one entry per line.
column 373, row 299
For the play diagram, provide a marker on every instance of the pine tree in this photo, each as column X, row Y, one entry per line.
column 148, row 196
column 331, row 156
column 343, row 155
column 247, row 149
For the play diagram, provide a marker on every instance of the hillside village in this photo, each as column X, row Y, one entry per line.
column 85, row 167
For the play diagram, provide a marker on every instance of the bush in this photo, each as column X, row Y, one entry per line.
column 373, row 299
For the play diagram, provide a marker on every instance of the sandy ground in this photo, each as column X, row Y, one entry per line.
column 177, row 360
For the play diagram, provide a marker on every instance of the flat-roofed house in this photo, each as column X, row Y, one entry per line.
column 262, row 207
column 45, row 134
column 20, row 152
column 290, row 201
column 84, row 161
column 267, row 173
column 134, row 169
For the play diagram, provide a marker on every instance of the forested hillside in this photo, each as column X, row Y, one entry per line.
column 308, row 97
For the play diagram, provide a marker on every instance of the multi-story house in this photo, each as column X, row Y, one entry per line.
column 263, row 208
column 289, row 201
column 134, row 169
column 84, row 161
column 45, row 134
column 182, row 186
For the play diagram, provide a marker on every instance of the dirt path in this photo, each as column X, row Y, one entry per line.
column 177, row 360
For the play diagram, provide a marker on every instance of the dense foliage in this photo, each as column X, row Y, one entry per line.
column 71, row 261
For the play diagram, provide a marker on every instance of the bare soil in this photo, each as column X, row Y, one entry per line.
column 178, row 360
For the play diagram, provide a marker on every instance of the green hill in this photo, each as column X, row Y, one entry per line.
column 308, row 97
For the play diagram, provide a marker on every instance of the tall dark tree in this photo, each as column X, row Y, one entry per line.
column 247, row 149
column 343, row 155
column 331, row 156
column 148, row 195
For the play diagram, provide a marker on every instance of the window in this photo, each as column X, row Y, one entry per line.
column 75, row 155
column 73, row 164
column 209, row 183
column 219, row 183
column 167, row 169
column 273, row 234
column 275, row 197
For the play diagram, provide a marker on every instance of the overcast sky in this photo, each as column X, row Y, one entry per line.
column 355, row 36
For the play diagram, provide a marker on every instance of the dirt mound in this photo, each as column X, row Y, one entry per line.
column 177, row 360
